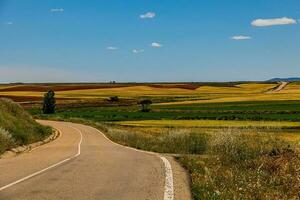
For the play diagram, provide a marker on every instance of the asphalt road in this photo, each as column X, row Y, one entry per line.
column 83, row 164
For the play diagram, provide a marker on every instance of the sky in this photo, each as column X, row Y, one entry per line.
column 148, row 41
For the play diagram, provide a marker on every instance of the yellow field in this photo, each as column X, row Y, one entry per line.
column 157, row 127
column 212, row 123
column 202, row 94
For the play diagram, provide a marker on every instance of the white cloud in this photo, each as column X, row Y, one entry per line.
column 273, row 22
column 240, row 37
column 57, row 10
column 112, row 48
column 148, row 15
column 137, row 50
column 8, row 23
column 156, row 44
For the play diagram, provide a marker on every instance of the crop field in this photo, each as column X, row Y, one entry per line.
column 165, row 94
column 235, row 139
column 212, row 123
column 133, row 90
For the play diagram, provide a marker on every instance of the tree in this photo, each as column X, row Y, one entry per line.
column 145, row 105
column 49, row 102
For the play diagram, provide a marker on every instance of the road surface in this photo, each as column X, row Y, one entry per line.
column 83, row 164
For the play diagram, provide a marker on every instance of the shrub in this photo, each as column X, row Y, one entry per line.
column 6, row 140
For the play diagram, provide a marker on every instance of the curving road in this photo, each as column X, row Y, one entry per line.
column 83, row 164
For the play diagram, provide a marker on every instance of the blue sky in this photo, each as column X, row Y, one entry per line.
column 154, row 40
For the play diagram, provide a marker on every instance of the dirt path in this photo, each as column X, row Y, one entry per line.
column 84, row 164
column 279, row 87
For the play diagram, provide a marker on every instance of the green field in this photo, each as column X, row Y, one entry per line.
column 273, row 110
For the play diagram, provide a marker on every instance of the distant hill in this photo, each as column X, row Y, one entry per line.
column 292, row 79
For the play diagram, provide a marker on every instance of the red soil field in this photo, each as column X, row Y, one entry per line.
column 63, row 87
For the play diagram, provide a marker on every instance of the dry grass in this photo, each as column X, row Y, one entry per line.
column 292, row 88
column 239, row 166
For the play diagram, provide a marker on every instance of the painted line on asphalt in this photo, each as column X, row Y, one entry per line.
column 169, row 183
column 50, row 167
column 169, row 187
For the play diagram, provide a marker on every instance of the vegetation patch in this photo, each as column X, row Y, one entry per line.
column 17, row 127
column 239, row 166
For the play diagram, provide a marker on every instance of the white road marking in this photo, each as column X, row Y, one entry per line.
column 50, row 167
column 169, row 186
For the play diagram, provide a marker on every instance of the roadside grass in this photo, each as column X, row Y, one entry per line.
column 170, row 140
column 17, row 127
column 237, row 165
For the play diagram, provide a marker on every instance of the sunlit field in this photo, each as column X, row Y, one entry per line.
column 171, row 94
column 213, row 123
column 130, row 90
column 235, row 139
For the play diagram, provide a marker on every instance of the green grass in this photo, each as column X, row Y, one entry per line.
column 17, row 127
column 274, row 110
